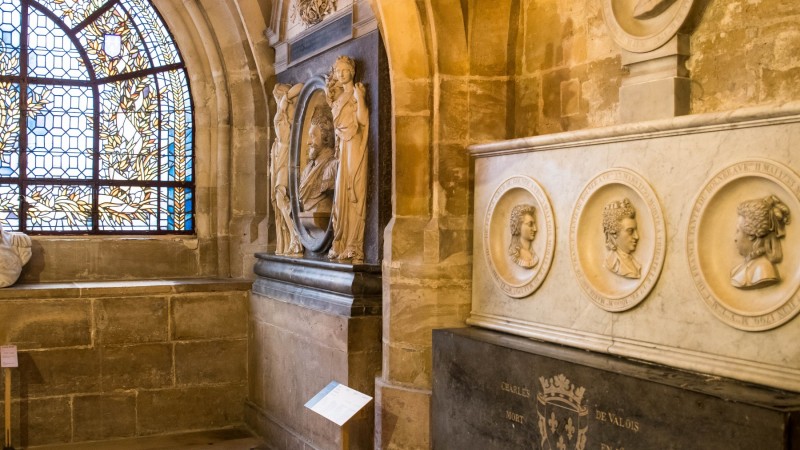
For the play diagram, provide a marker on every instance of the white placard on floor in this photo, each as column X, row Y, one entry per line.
column 337, row 402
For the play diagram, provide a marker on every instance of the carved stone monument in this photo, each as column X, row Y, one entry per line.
column 287, row 242
column 311, row 315
column 686, row 257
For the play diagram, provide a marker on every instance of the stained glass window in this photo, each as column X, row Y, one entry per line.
column 95, row 120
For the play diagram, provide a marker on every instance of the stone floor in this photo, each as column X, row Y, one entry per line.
column 232, row 439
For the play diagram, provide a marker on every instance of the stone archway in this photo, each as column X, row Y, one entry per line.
column 444, row 94
column 229, row 63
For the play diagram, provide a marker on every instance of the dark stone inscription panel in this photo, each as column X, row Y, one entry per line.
column 338, row 30
column 495, row 391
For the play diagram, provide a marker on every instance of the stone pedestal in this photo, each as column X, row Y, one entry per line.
column 311, row 322
column 658, row 85
column 496, row 391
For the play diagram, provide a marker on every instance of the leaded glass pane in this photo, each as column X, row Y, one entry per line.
column 51, row 53
column 128, row 55
column 10, row 18
column 73, row 12
column 60, row 132
column 59, row 208
column 137, row 129
column 176, row 209
column 159, row 42
column 129, row 130
column 9, row 206
column 9, row 129
column 176, row 133
column 131, row 208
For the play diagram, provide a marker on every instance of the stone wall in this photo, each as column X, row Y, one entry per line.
column 101, row 361
column 567, row 70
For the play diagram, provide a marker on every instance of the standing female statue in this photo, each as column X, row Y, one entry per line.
column 759, row 228
column 351, row 122
column 288, row 242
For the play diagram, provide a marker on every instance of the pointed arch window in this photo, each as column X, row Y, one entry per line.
column 95, row 120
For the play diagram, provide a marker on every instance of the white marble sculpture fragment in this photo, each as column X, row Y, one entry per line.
column 15, row 252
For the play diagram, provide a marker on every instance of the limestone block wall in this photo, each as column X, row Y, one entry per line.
column 566, row 70
column 102, row 361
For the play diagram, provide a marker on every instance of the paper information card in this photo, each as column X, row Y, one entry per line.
column 337, row 402
column 8, row 356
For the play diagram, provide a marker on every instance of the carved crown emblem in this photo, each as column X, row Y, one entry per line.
column 559, row 388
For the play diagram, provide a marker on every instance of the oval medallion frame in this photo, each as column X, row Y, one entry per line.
column 644, row 34
column 608, row 290
column 311, row 95
column 514, row 280
column 712, row 253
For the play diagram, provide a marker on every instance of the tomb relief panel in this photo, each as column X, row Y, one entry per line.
column 328, row 176
column 314, row 166
column 519, row 236
column 742, row 247
column 644, row 25
column 617, row 239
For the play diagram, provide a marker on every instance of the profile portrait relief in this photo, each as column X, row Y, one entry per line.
column 760, row 226
column 319, row 175
column 621, row 237
column 523, row 232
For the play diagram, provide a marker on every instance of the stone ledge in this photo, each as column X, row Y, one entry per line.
column 123, row 288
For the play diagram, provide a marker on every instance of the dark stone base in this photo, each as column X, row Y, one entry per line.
column 341, row 289
column 496, row 391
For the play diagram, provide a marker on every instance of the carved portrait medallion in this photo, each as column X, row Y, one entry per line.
column 519, row 236
column 617, row 239
column 312, row 167
column 743, row 247
column 644, row 25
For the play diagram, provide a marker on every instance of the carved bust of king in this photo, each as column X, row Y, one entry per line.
column 319, row 176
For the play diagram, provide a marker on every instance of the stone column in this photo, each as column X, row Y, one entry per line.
column 657, row 86
column 655, row 54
